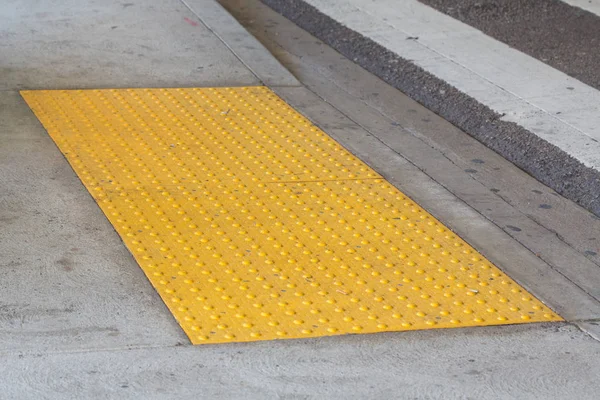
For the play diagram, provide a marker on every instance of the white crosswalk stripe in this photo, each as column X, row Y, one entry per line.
column 556, row 107
column 592, row 6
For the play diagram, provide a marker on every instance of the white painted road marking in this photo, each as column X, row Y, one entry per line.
column 592, row 6
column 559, row 109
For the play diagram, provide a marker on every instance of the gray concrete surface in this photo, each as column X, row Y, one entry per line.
column 525, row 362
column 79, row 320
column 68, row 283
column 249, row 50
column 99, row 44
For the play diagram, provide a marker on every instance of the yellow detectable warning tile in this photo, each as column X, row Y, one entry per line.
column 253, row 224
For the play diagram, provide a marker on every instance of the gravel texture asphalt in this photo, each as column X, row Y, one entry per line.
column 545, row 162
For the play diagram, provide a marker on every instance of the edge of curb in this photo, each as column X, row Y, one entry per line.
column 542, row 160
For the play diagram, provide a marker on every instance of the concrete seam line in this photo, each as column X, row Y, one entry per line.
column 546, row 162
column 221, row 39
column 248, row 50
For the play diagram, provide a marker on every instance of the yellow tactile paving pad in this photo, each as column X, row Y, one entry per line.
column 254, row 224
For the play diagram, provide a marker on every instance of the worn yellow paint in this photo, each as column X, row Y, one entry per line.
column 254, row 224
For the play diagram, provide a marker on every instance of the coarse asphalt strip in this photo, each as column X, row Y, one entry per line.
column 546, row 162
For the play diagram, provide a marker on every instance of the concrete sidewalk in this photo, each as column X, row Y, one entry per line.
column 69, row 283
column 98, row 44
column 78, row 318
